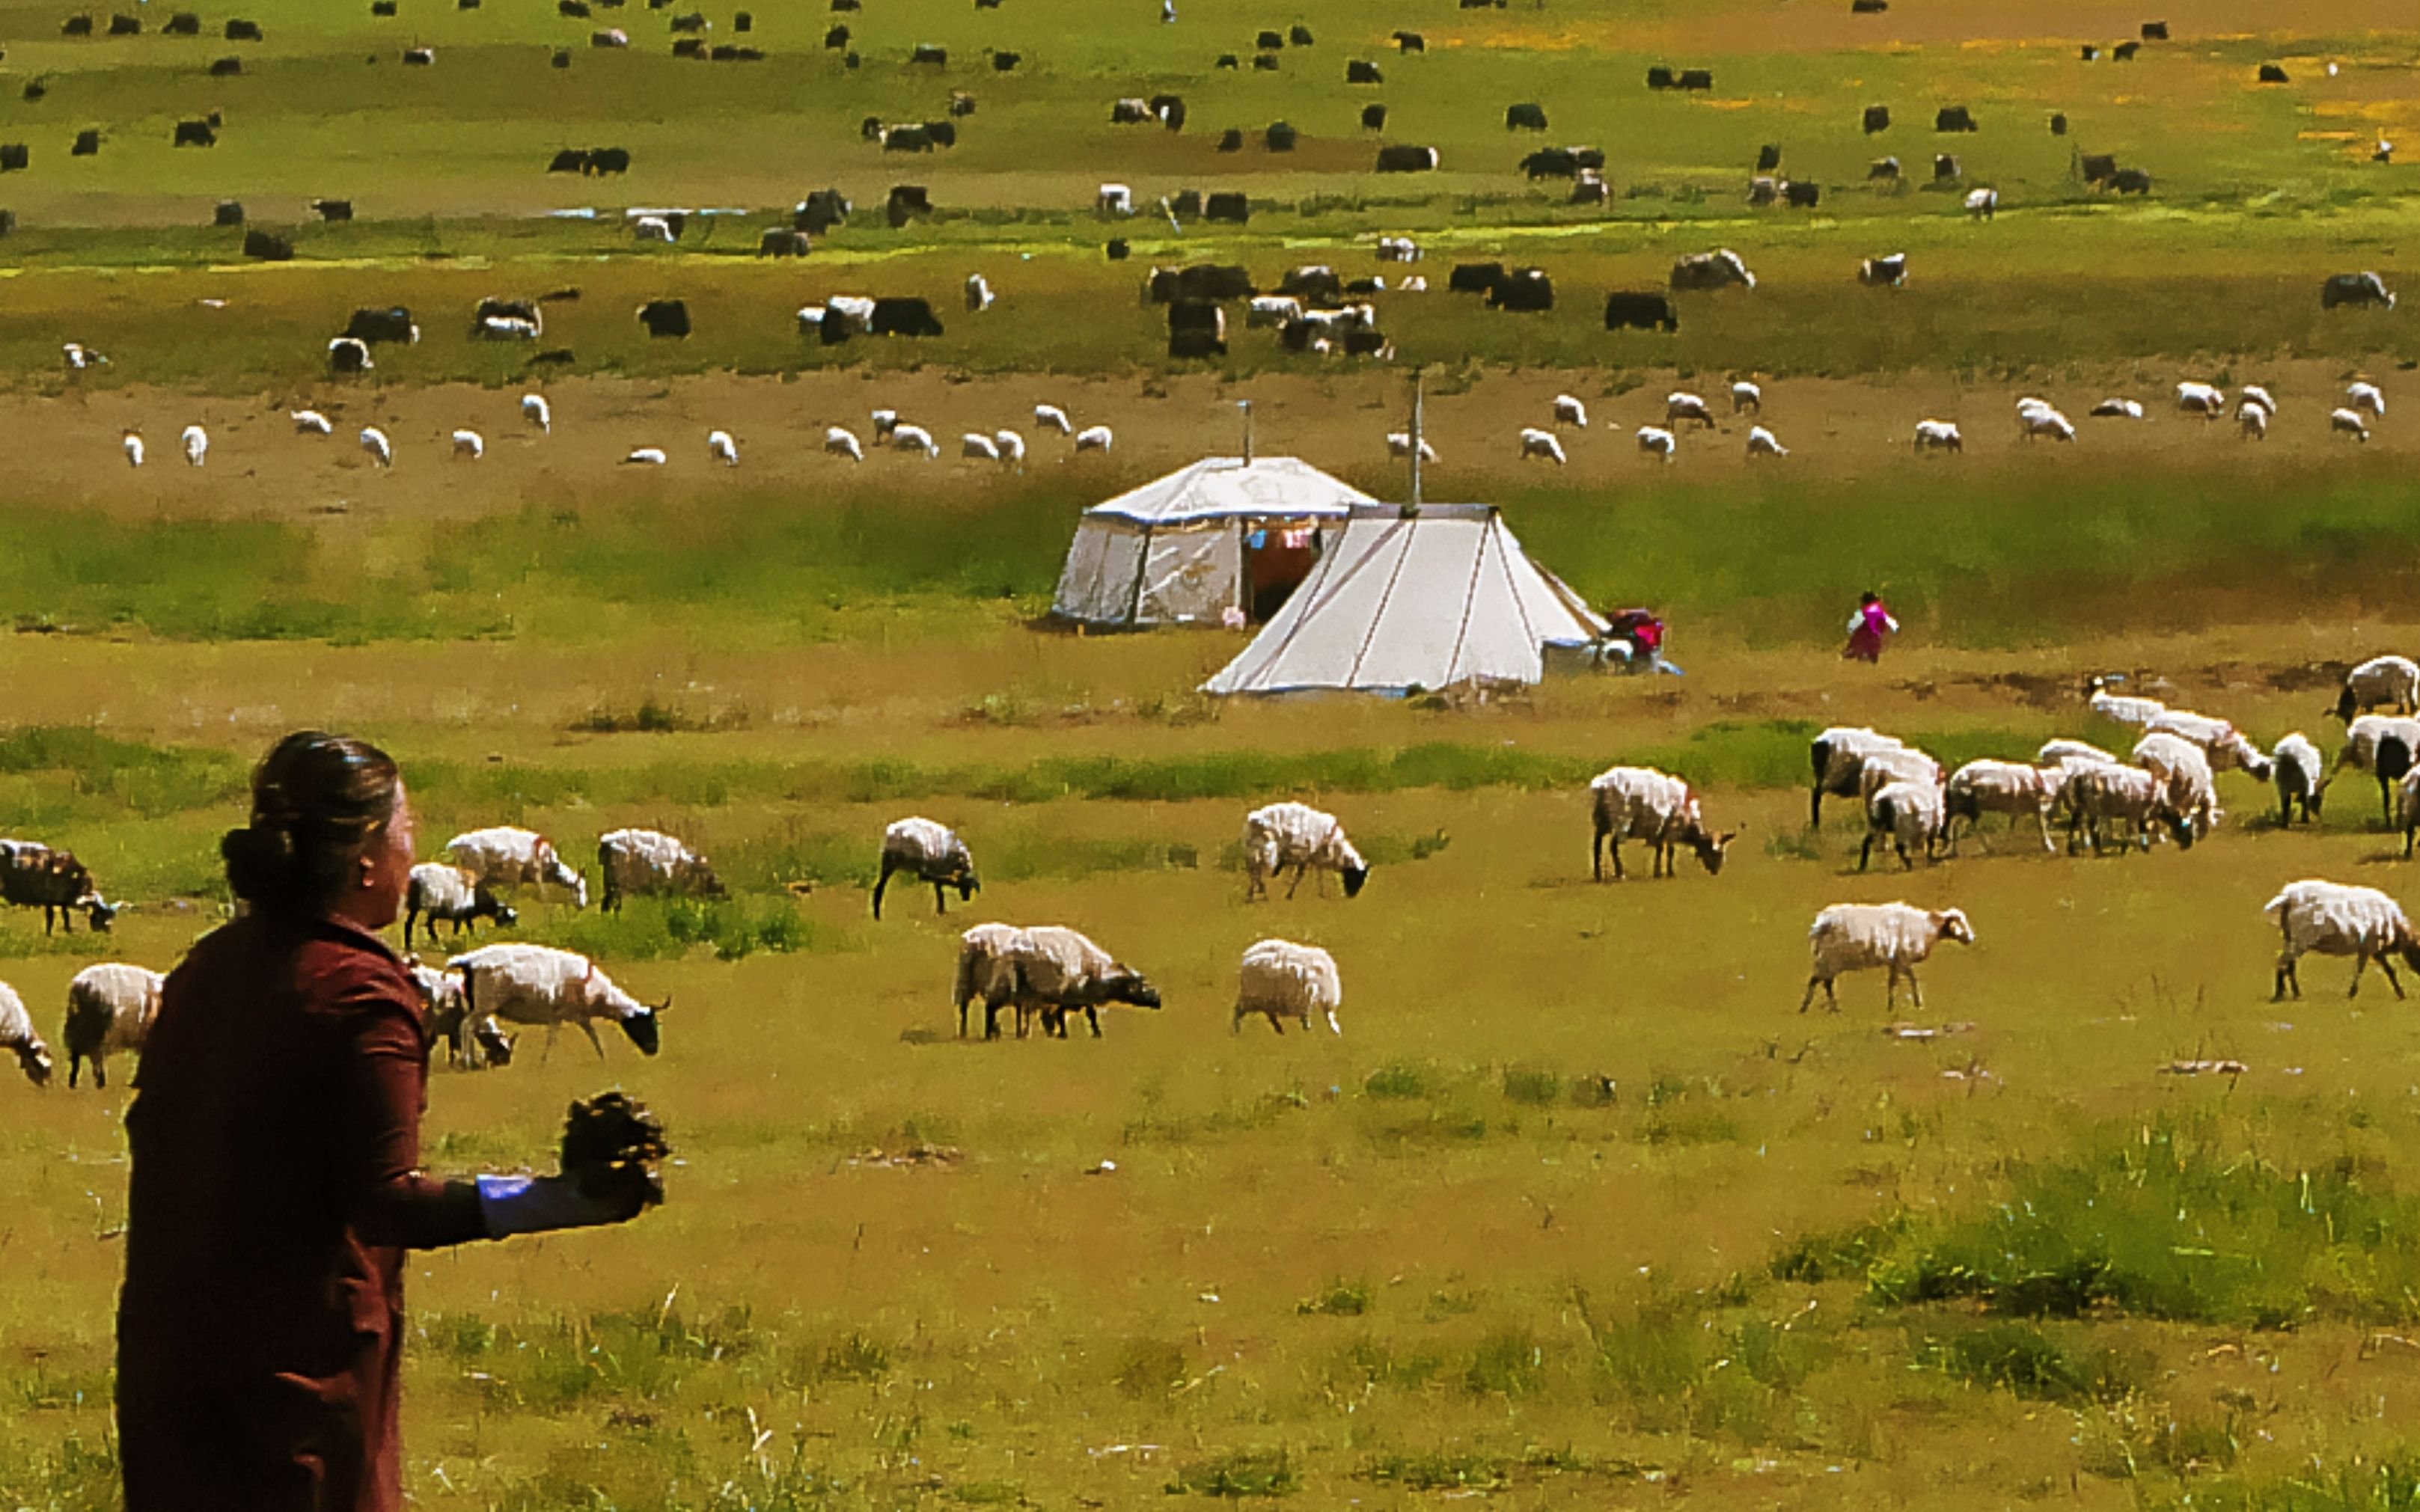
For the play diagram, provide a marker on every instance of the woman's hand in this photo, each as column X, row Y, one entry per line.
column 545, row 1204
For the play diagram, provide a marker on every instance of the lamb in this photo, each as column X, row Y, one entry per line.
column 1680, row 406
column 1860, row 936
column 109, row 1007
column 1838, row 757
column 1094, row 438
column 2119, row 794
column 470, row 443
column 1399, row 445
column 1762, row 442
column 1058, row 971
column 1938, row 436
column 506, row 855
column 2011, row 788
column 2181, row 764
column 1910, row 813
column 1747, row 396
column 643, row 861
column 1295, row 835
column 2331, row 919
column 2302, row 779
column 536, row 984
column 1535, row 443
column 35, row 875
column 448, row 892
column 986, row 970
column 1285, row 980
column 1569, row 411
column 2382, row 682
column 2123, row 710
column 17, row 1035
column 447, row 1011
column 1641, row 803
column 2384, row 747
column 1654, row 440
column 928, row 853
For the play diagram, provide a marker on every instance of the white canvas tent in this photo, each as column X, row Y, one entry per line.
column 1174, row 552
column 1432, row 599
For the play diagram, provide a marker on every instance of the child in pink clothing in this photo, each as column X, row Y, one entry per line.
column 1867, row 629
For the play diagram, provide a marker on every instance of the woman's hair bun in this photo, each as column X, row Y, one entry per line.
column 262, row 865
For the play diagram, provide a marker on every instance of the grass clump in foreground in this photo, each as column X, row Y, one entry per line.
column 650, row 929
column 2159, row 1221
column 1243, row 1472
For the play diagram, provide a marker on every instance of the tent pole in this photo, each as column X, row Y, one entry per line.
column 1246, row 406
column 1416, row 438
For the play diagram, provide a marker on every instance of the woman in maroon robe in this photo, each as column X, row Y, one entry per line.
column 276, row 1179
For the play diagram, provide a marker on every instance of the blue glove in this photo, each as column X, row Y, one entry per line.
column 543, row 1204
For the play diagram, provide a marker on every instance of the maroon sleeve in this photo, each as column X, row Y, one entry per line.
column 391, row 1200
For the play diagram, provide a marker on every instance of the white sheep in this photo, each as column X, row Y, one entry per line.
column 1654, row 440
column 1903, row 764
column 1569, row 411
column 1983, row 204
column 2055, row 752
column 2365, row 396
column 2011, row 788
column 1680, row 406
column 197, row 445
column 1297, row 835
column 447, row 1013
column 2219, row 740
column 1285, row 980
column 915, row 439
column 721, row 447
column 1747, row 396
column 1938, row 436
column 2204, row 399
column 1762, row 442
column 2108, row 705
column 109, row 1007
column 2302, row 779
column 927, row 852
column 17, row 1035
column 1264, row 311
column 645, row 861
column 2117, row 408
column 2181, row 766
column 2384, row 747
column 381, row 450
column 2407, row 810
column 80, row 357
column 2119, row 796
column 2382, row 682
column 1640, row 803
column 1050, row 417
column 1094, row 438
column 538, row 412
column 1398, row 249
column 1399, row 446
column 441, row 890
column 470, row 443
column 1060, row 971
column 986, row 970
column 132, row 444
column 2333, row 918
column 645, row 456
column 1860, row 936
column 506, row 856
column 1535, row 443
column 1839, row 757
column 2347, row 422
column 2253, row 393
column 840, row 442
column 1908, row 814
column 538, row 985
column 310, row 422
column 979, row 293
column 974, row 445
column 2044, row 422
column 2251, row 422
column 1011, row 446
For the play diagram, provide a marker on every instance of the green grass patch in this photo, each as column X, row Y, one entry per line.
column 2046, row 1362
column 666, row 929
column 1240, row 1474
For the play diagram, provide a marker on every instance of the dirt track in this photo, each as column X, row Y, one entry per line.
column 1835, row 429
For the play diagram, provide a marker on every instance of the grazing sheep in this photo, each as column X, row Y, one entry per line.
column 1535, row 443
column 1569, row 411
column 2118, row 409
column 1983, row 204
column 2011, row 788
column 840, row 443
column 2123, row 710
column 2253, row 393
column 17, row 1034
column 2181, row 766
column 446, row 1010
column 915, row 439
column 2204, row 399
column 2384, row 747
column 2057, row 752
column 1860, row 936
column 132, row 445
column 2331, row 919
column 381, row 450
column 197, row 445
column 109, row 1007
column 2382, row 682
column 1060, row 971
column 2119, row 795
column 1910, row 814
column 1678, row 405
column 1295, row 835
column 1653, row 441
column 1747, row 396
column 975, row 445
column 1938, row 436
column 1762, row 442
column 2251, row 422
column 2302, row 779
column 1285, row 980
column 2219, row 741
column 927, row 852
column 643, row 861
column 1904, row 763
column 448, row 892
column 2367, row 396
column 1838, row 757
column 470, row 443
column 1011, row 445
column 721, row 447
column 979, row 293
column 2044, row 421
column 505, row 856
column 310, row 422
column 35, row 875
column 538, row 412
column 2407, row 810
column 645, row 456
column 1641, row 803
column 1399, row 446
column 1094, row 438
column 986, row 970
column 538, row 985
column 1050, row 417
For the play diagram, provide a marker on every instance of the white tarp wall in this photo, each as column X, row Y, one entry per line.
column 1443, row 597
column 1172, row 550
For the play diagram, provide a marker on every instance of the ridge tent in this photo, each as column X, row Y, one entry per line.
column 1428, row 598
column 1181, row 549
